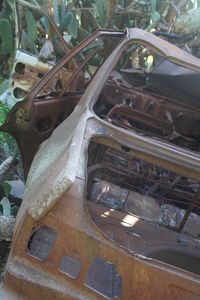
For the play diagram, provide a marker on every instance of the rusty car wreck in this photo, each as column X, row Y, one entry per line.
column 112, row 200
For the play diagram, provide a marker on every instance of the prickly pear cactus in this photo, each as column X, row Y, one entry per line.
column 6, row 36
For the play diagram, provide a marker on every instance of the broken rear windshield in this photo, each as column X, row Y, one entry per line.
column 149, row 94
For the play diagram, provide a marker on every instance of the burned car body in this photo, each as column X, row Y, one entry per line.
column 111, row 207
column 32, row 120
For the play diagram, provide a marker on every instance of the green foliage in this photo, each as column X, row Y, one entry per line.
column 63, row 11
column 153, row 6
column 32, row 33
column 155, row 17
column 7, row 143
column 6, row 36
column 3, row 112
column 82, row 34
column 6, row 189
column 106, row 4
column 45, row 23
column 89, row 21
column 3, row 86
column 101, row 12
column 66, row 20
column 14, row 210
column 56, row 12
column 5, row 207
column 73, row 26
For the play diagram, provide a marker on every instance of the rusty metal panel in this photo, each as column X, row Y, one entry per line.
column 103, row 279
column 27, row 121
column 27, row 71
column 107, row 191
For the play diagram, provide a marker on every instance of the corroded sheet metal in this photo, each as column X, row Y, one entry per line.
column 72, row 209
column 32, row 120
column 133, row 106
column 28, row 70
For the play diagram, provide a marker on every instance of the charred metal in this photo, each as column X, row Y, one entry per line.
column 112, row 202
